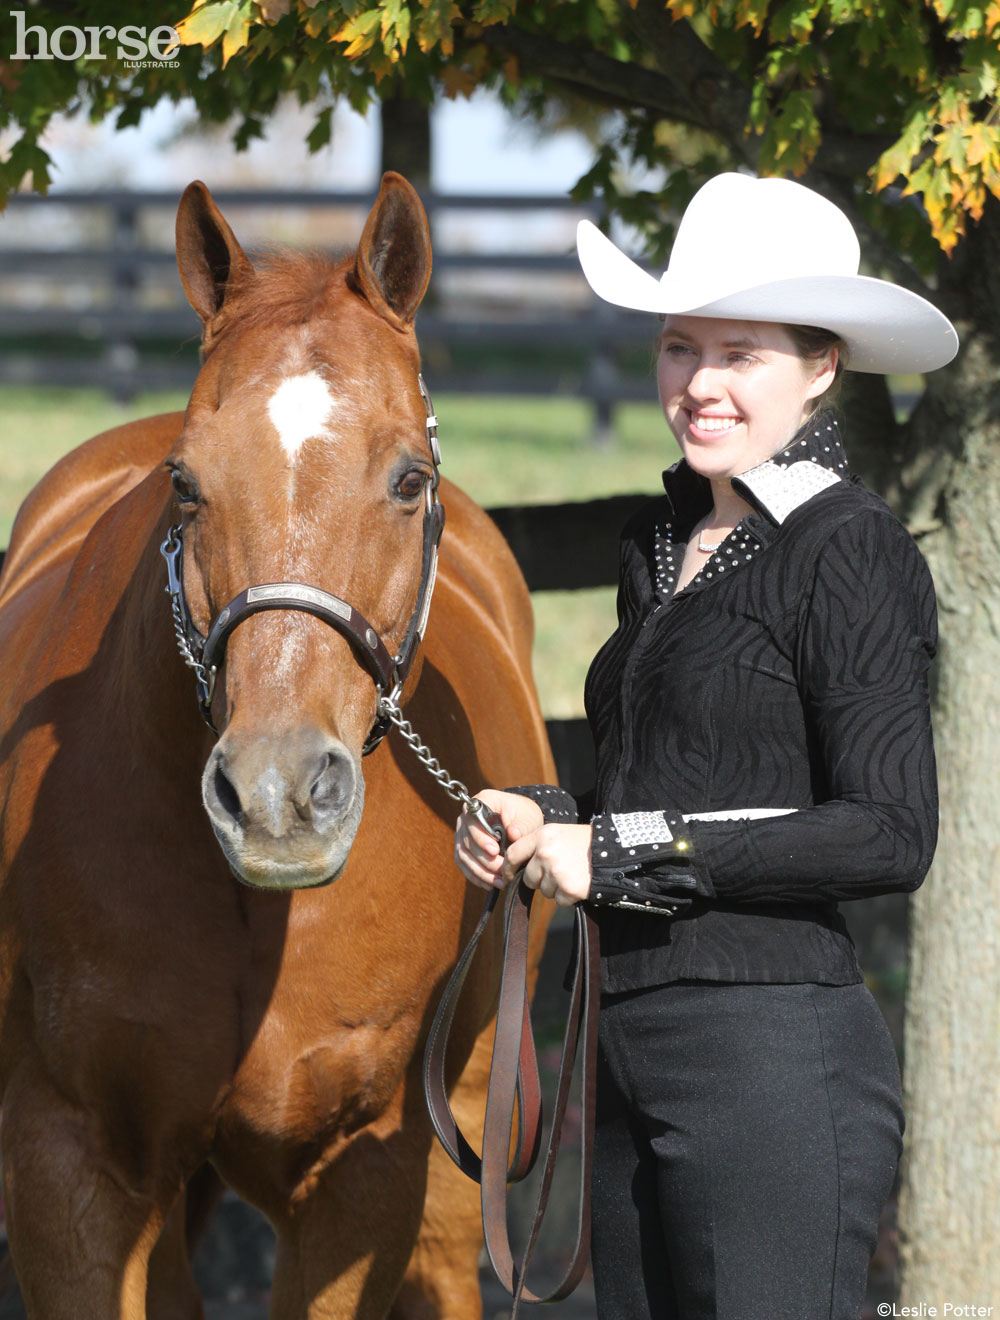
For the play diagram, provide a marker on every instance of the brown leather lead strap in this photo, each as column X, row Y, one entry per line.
column 504, row 1094
column 528, row 1094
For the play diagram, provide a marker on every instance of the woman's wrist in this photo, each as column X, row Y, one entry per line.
column 556, row 804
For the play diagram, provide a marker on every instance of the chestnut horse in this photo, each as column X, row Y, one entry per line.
column 181, row 985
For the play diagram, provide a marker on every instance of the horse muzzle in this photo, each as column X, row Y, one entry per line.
column 284, row 809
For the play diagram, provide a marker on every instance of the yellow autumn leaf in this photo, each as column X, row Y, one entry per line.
column 236, row 35
column 983, row 142
column 457, row 81
column 361, row 32
column 206, row 23
column 888, row 168
column 975, row 200
column 315, row 24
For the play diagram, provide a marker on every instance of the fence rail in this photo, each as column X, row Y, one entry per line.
column 102, row 286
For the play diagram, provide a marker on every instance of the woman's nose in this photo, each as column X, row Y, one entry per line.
column 706, row 382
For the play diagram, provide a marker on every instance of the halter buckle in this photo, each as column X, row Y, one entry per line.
column 171, row 549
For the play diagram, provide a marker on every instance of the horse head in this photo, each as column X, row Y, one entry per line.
column 303, row 469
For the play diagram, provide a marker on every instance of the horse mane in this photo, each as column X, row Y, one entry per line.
column 287, row 288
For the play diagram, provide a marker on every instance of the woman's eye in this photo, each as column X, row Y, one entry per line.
column 741, row 360
column 409, row 486
column 677, row 350
column 184, row 487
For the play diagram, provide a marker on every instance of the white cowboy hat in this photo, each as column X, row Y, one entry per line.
column 772, row 250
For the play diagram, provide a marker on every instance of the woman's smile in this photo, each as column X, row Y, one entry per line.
column 710, row 424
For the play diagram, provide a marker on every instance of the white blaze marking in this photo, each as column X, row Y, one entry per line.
column 299, row 409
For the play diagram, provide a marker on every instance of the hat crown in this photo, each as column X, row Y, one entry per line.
column 738, row 232
column 772, row 250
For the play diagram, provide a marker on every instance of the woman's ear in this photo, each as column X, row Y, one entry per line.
column 825, row 374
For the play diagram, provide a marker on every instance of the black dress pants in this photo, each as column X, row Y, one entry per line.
column 747, row 1139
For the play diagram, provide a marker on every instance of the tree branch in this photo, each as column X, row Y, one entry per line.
column 876, row 247
column 699, row 76
column 621, row 84
column 690, row 86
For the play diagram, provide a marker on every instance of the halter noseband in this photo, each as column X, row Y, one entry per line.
column 204, row 654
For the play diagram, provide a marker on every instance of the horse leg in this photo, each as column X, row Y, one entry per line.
column 345, row 1240
column 442, row 1278
column 80, row 1235
column 171, row 1292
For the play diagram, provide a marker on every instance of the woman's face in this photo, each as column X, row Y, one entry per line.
column 734, row 392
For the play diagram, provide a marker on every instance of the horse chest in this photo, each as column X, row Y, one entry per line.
column 297, row 1088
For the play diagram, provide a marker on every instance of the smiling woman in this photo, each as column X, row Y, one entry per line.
column 764, row 752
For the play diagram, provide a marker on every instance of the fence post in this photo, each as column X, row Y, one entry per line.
column 602, row 372
column 121, row 356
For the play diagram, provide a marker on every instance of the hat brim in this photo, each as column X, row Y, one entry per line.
column 887, row 330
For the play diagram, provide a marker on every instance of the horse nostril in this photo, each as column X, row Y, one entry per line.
column 226, row 794
column 331, row 791
column 316, row 791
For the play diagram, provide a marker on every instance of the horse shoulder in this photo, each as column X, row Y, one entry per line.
column 479, row 564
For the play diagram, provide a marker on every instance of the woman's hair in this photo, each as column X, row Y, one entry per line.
column 812, row 345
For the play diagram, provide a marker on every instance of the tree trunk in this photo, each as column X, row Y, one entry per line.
column 949, row 492
column 406, row 139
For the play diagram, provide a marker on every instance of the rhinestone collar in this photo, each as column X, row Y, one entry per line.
column 813, row 460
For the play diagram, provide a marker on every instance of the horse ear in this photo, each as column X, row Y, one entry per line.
column 393, row 263
column 210, row 260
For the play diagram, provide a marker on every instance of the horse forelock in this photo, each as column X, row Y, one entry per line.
column 286, row 288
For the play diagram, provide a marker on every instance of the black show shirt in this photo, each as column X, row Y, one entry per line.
column 789, row 676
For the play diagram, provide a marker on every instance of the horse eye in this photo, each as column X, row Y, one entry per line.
column 184, row 487
column 411, row 484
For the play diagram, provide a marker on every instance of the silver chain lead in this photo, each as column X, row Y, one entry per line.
column 389, row 708
column 170, row 550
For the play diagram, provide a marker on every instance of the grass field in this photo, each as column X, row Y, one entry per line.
column 500, row 450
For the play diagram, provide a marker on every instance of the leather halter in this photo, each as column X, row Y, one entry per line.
column 205, row 654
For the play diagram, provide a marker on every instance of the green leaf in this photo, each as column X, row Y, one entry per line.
column 249, row 129
column 403, row 27
column 129, row 115
column 319, row 134
column 793, row 22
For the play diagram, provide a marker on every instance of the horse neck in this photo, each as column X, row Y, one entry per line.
column 148, row 693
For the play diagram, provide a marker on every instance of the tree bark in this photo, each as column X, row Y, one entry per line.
column 950, row 493
column 406, row 139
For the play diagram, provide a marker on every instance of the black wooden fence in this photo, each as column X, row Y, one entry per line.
column 89, row 293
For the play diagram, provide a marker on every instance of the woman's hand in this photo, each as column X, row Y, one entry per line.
column 556, row 862
column 477, row 852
